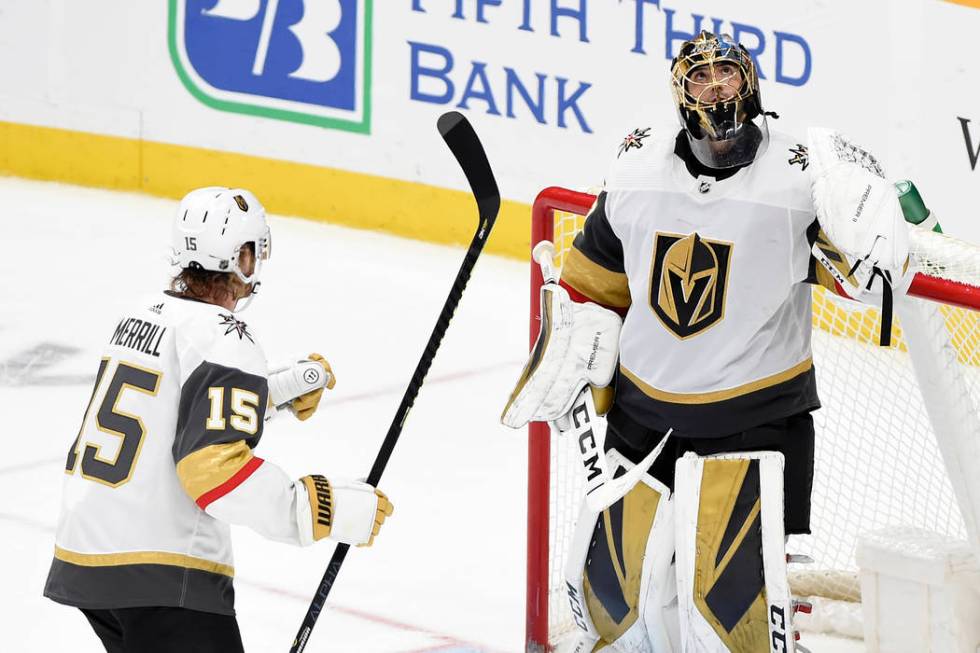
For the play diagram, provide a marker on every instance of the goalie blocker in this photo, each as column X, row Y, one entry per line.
column 578, row 345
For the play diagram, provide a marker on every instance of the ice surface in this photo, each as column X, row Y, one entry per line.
column 447, row 572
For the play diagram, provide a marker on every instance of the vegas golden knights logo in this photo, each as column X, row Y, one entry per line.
column 688, row 282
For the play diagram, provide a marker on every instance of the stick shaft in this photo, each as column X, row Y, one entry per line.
column 394, row 431
column 422, row 369
column 466, row 147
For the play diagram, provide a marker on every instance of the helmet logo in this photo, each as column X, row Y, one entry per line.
column 703, row 45
column 240, row 201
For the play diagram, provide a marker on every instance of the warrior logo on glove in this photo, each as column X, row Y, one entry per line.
column 688, row 282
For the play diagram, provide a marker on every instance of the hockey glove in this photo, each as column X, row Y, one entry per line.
column 300, row 386
column 857, row 208
column 345, row 511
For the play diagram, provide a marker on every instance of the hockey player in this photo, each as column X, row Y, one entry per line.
column 163, row 461
column 704, row 241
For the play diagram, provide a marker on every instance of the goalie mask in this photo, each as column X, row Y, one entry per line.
column 212, row 227
column 716, row 89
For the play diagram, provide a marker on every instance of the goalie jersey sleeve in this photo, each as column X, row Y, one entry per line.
column 594, row 268
column 163, row 462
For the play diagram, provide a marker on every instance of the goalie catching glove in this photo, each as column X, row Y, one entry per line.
column 859, row 211
column 300, row 386
column 578, row 345
column 860, row 214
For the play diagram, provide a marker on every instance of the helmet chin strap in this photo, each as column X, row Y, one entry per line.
column 244, row 302
column 252, row 279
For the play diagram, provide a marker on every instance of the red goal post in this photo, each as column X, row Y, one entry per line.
column 539, row 438
column 951, row 278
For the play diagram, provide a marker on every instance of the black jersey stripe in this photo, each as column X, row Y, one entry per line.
column 711, row 419
column 193, row 431
column 139, row 585
column 598, row 241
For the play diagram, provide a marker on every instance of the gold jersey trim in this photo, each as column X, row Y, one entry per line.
column 596, row 282
column 142, row 558
column 207, row 468
column 717, row 395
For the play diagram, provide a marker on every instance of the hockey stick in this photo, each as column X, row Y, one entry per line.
column 466, row 147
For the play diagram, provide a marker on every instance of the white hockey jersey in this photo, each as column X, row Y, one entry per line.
column 163, row 463
column 710, row 275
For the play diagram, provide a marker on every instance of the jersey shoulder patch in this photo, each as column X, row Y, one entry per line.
column 634, row 140
column 234, row 326
column 215, row 334
column 782, row 173
column 643, row 158
column 790, row 150
column 799, row 156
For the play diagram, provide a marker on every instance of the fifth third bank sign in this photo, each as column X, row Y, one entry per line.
column 301, row 60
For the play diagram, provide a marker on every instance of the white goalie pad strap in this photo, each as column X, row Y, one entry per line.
column 861, row 285
column 655, row 626
column 601, row 489
column 857, row 207
column 729, row 509
column 578, row 424
column 578, row 344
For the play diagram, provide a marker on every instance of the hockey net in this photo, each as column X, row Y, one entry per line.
column 879, row 461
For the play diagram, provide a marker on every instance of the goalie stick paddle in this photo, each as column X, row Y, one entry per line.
column 466, row 147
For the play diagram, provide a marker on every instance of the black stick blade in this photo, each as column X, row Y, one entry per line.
column 466, row 147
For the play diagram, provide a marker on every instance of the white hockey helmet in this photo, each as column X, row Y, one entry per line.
column 212, row 226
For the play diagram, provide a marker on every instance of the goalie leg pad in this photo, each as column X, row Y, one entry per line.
column 619, row 577
column 733, row 591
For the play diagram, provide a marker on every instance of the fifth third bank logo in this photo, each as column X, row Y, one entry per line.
column 300, row 60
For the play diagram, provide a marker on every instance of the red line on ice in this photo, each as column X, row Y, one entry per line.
column 450, row 641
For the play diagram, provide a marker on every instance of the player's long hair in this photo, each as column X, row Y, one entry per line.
column 207, row 285
column 202, row 284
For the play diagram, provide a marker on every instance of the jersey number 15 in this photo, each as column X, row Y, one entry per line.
column 110, row 419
